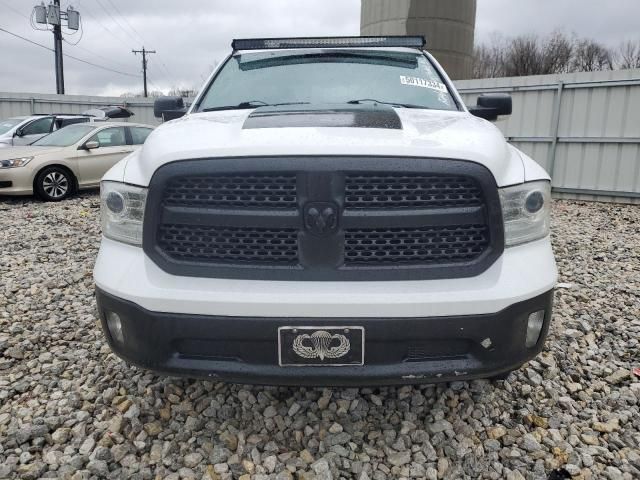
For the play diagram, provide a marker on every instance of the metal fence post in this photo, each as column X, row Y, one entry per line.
column 32, row 105
column 555, row 126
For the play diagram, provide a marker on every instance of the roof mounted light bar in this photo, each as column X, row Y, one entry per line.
column 328, row 42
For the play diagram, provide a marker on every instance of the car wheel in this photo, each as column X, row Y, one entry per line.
column 54, row 184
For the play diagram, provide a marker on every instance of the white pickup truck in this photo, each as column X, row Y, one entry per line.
column 327, row 212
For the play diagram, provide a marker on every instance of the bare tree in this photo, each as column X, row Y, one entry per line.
column 523, row 56
column 183, row 92
column 629, row 55
column 488, row 61
column 556, row 52
column 591, row 56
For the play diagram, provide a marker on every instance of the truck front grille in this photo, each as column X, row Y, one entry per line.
column 235, row 245
column 394, row 190
column 263, row 190
column 333, row 218
column 426, row 245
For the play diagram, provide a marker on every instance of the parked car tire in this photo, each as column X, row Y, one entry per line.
column 54, row 184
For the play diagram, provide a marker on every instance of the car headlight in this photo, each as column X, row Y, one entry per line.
column 122, row 211
column 15, row 162
column 526, row 211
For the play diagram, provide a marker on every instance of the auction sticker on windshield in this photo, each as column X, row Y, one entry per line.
column 422, row 82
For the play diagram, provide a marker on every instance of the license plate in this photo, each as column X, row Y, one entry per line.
column 321, row 346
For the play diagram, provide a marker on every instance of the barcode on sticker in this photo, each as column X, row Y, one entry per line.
column 421, row 82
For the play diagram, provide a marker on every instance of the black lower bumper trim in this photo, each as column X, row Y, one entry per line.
column 6, row 184
column 398, row 350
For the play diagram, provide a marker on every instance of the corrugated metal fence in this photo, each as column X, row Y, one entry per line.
column 583, row 128
column 15, row 104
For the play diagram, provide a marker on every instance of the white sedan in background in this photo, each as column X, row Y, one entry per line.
column 69, row 159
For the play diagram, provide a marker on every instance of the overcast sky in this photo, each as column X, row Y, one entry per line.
column 191, row 36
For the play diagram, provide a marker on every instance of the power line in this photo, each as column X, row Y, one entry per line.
column 164, row 67
column 26, row 39
column 69, row 56
column 14, row 10
column 164, row 71
column 104, row 27
column 102, row 67
column 159, row 70
column 91, row 52
column 116, row 21
column 119, row 24
column 126, row 21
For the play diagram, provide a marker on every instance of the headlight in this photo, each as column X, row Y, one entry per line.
column 122, row 211
column 526, row 210
column 15, row 162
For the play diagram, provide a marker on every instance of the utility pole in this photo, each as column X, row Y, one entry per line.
column 54, row 17
column 57, row 43
column 144, row 65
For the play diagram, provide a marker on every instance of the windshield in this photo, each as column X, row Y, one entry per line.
column 249, row 80
column 65, row 136
column 8, row 124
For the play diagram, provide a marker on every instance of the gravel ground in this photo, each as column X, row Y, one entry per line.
column 71, row 409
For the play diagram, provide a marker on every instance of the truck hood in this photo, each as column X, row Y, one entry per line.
column 421, row 133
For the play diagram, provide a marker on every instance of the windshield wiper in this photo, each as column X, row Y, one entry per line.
column 251, row 104
column 393, row 104
column 239, row 106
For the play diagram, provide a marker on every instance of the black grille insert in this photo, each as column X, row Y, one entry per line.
column 426, row 245
column 398, row 218
column 254, row 190
column 409, row 190
column 235, row 245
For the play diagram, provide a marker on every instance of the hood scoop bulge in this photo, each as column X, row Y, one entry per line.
column 292, row 116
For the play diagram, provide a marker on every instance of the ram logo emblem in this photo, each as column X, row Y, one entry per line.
column 321, row 344
column 321, row 218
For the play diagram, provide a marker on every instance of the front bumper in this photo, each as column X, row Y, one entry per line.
column 520, row 273
column 16, row 181
column 397, row 350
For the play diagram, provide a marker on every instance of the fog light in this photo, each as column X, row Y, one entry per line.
column 114, row 324
column 534, row 327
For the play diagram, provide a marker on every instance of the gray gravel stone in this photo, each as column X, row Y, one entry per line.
column 98, row 467
column 71, row 409
column 399, row 458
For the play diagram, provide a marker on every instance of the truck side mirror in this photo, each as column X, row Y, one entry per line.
column 169, row 108
column 491, row 105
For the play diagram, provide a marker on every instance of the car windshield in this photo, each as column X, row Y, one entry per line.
column 65, row 136
column 8, row 124
column 399, row 78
